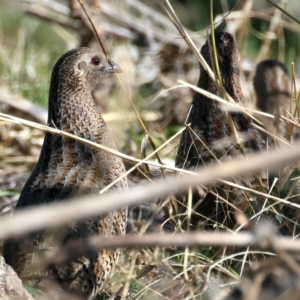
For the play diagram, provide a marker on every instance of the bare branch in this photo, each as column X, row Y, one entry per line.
column 222, row 239
column 57, row 214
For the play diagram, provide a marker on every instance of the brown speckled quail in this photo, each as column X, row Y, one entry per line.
column 272, row 86
column 68, row 168
column 213, row 140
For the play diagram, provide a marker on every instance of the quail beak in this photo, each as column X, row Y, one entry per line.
column 113, row 68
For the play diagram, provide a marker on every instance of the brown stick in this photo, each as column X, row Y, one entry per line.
column 57, row 214
column 78, row 248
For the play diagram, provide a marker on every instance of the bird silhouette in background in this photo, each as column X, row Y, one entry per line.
column 272, row 85
column 210, row 139
column 68, row 168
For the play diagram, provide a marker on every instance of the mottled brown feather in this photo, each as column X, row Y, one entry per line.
column 213, row 139
column 68, row 168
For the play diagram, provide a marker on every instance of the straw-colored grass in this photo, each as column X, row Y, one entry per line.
column 151, row 110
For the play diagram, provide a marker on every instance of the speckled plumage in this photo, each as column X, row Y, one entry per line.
column 213, row 139
column 68, row 168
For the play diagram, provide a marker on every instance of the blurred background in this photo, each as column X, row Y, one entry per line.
column 139, row 36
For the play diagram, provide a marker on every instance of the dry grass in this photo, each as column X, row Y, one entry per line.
column 162, row 268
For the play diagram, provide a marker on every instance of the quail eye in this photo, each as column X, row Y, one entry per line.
column 95, row 61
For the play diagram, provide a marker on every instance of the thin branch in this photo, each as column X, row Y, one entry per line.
column 83, row 246
column 58, row 214
column 12, row 119
column 284, row 11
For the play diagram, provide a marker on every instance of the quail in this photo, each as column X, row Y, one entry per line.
column 68, row 168
column 272, row 86
column 210, row 139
